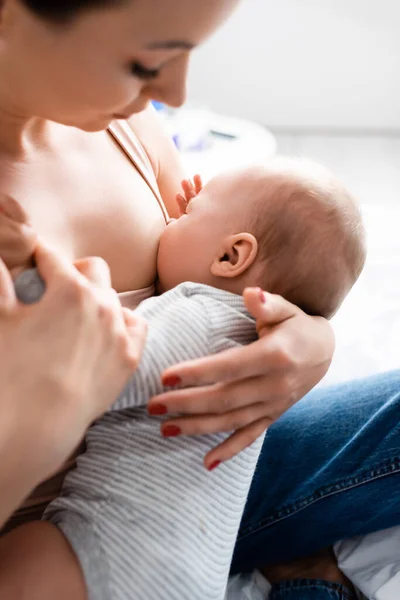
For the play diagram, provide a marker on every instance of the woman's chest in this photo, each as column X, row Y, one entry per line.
column 95, row 204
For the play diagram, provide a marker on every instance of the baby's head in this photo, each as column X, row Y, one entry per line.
column 289, row 227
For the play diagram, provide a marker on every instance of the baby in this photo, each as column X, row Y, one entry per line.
column 142, row 517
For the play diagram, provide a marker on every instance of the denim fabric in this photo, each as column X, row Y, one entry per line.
column 329, row 470
column 307, row 589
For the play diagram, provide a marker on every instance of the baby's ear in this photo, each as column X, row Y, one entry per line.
column 237, row 254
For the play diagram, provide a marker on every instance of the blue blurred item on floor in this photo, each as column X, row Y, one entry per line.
column 188, row 128
column 211, row 143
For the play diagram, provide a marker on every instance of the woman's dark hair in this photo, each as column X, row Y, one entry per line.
column 61, row 11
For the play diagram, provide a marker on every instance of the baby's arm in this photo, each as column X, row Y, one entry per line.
column 37, row 563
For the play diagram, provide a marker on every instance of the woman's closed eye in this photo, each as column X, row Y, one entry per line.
column 142, row 72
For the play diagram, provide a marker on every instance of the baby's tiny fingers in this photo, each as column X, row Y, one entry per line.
column 198, row 183
column 188, row 188
column 182, row 204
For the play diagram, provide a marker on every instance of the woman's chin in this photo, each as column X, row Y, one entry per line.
column 95, row 125
column 91, row 126
column 100, row 123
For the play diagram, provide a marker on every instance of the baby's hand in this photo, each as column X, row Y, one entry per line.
column 17, row 239
column 190, row 190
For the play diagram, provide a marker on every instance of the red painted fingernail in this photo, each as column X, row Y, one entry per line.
column 263, row 297
column 214, row 465
column 171, row 431
column 172, row 381
column 157, row 409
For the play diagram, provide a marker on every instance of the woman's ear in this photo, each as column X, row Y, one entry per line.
column 237, row 254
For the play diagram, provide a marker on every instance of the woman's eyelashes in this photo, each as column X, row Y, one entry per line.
column 142, row 72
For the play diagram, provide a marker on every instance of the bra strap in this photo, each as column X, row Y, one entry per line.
column 129, row 143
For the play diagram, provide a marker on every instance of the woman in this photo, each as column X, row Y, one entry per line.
column 67, row 70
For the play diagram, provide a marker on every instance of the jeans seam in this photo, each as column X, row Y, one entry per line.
column 373, row 474
column 342, row 592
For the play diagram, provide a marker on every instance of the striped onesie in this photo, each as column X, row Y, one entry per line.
column 144, row 517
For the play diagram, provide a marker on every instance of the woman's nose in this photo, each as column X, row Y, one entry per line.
column 170, row 87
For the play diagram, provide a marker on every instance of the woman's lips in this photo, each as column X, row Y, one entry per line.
column 120, row 116
column 136, row 109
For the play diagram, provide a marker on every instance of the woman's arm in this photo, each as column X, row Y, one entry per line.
column 245, row 390
column 63, row 363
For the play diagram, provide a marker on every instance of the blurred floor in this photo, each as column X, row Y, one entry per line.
column 368, row 324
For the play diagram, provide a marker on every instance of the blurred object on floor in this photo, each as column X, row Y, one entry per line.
column 211, row 143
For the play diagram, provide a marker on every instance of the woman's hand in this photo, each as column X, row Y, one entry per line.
column 63, row 362
column 245, row 390
column 17, row 239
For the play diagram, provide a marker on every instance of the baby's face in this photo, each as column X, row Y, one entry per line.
column 189, row 244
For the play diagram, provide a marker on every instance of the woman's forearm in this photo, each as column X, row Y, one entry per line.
column 63, row 362
column 20, row 467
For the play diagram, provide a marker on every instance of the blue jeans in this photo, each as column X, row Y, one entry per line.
column 323, row 473
column 304, row 589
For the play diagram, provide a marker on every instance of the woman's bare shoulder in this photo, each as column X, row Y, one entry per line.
column 162, row 153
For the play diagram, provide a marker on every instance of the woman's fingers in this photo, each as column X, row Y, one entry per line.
column 272, row 391
column 263, row 357
column 136, row 328
column 212, row 423
column 17, row 238
column 268, row 309
column 247, row 424
column 13, row 210
column 95, row 270
column 50, row 263
column 235, row 443
column 266, row 355
column 7, row 293
column 17, row 242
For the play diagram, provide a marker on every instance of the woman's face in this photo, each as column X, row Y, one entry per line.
column 106, row 63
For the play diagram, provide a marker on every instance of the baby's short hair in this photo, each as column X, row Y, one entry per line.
column 310, row 233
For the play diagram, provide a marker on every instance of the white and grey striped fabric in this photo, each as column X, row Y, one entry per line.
column 145, row 518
